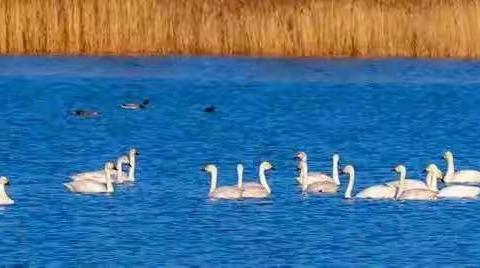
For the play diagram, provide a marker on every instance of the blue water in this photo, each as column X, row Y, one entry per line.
column 375, row 113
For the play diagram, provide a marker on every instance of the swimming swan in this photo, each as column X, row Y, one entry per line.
column 224, row 192
column 4, row 198
column 117, row 177
column 462, row 176
column 452, row 191
column 373, row 192
column 409, row 183
column 259, row 190
column 311, row 177
column 319, row 186
column 419, row 193
column 91, row 186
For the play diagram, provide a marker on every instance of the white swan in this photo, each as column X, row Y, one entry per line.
column 372, row 192
column 306, row 177
column 259, row 190
column 224, row 192
column 91, row 186
column 409, row 183
column 462, row 176
column 452, row 191
column 4, row 198
column 418, row 193
column 320, row 186
column 117, row 177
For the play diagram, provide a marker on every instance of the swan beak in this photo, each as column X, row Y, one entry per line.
column 424, row 171
column 7, row 182
column 393, row 170
column 296, row 158
column 273, row 168
column 137, row 153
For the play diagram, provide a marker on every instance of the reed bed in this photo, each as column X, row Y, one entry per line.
column 328, row 28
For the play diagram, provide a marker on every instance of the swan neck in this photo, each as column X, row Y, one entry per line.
column 401, row 185
column 213, row 178
column 450, row 167
column 303, row 174
column 263, row 180
column 335, row 172
column 131, row 169
column 119, row 171
column 303, row 168
column 240, row 177
column 108, row 180
column 351, row 182
column 433, row 183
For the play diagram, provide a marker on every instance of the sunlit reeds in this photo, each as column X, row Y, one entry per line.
column 363, row 28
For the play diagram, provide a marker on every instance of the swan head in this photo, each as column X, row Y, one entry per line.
column 133, row 152
column 123, row 159
column 210, row 168
column 240, row 168
column 109, row 167
column 265, row 165
column 400, row 169
column 448, row 155
column 301, row 156
column 433, row 169
column 348, row 169
column 4, row 180
column 336, row 157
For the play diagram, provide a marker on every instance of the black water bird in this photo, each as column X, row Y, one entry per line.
column 210, row 109
column 85, row 113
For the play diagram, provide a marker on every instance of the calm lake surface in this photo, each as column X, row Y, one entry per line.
column 375, row 113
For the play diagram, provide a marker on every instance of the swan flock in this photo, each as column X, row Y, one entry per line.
column 458, row 184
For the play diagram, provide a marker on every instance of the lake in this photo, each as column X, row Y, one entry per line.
column 374, row 113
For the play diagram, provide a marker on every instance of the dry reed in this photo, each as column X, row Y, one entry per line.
column 363, row 28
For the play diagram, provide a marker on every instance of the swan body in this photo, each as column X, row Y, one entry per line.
column 462, row 176
column 372, row 192
column 307, row 177
column 91, row 186
column 409, row 184
column 4, row 198
column 377, row 192
column 224, row 192
column 261, row 189
column 99, row 176
column 417, row 194
column 459, row 191
column 321, row 187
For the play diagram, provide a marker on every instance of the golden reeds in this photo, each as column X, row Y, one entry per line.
column 364, row 28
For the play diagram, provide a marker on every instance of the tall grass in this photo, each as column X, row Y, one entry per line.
column 364, row 28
